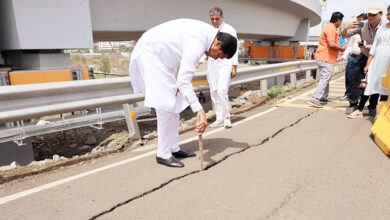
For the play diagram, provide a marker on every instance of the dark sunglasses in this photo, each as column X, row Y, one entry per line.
column 371, row 15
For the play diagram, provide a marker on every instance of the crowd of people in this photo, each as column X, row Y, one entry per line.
column 166, row 57
column 368, row 55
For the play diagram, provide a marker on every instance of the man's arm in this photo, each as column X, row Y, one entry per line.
column 233, row 32
column 234, row 71
column 190, row 56
column 350, row 29
column 331, row 36
column 346, row 54
column 335, row 46
column 202, row 59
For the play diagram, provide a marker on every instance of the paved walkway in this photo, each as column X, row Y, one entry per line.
column 288, row 161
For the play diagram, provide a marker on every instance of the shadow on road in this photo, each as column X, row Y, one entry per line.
column 213, row 147
column 236, row 118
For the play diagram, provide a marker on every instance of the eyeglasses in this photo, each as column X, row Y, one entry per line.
column 371, row 15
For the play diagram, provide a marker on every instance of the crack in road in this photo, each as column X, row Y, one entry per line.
column 206, row 168
column 283, row 203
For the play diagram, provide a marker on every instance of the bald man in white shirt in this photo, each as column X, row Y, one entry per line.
column 162, row 65
column 220, row 72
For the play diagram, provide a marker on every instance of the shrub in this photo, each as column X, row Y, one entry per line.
column 104, row 65
column 276, row 92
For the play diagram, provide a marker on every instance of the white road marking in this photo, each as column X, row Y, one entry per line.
column 25, row 193
column 71, row 178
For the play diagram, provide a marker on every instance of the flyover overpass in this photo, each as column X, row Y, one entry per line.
column 253, row 19
column 35, row 33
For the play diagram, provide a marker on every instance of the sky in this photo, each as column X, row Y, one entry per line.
column 349, row 8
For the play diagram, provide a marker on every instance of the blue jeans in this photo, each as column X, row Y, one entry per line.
column 348, row 74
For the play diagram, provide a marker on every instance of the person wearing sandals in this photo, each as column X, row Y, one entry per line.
column 326, row 55
column 376, row 66
column 367, row 34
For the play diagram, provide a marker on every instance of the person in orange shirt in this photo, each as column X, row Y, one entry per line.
column 326, row 55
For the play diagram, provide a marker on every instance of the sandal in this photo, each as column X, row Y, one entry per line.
column 355, row 114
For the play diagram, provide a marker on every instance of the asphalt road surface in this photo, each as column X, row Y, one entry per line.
column 286, row 161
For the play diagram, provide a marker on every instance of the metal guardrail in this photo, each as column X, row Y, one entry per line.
column 22, row 102
column 36, row 100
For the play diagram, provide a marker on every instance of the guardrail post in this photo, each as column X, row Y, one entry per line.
column 9, row 125
column 293, row 80
column 264, row 87
column 308, row 75
column 4, row 79
column 131, row 121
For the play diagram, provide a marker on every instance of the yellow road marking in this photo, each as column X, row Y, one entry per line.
column 309, row 106
column 308, row 98
column 337, row 86
column 336, row 90
column 336, row 83
column 330, row 94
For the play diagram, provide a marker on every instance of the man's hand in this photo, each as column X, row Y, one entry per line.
column 198, row 64
column 365, row 70
column 234, row 73
column 353, row 24
column 342, row 49
column 367, row 47
column 201, row 123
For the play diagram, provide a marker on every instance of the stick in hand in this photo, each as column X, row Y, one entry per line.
column 200, row 149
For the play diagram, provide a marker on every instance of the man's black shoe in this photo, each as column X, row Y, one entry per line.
column 183, row 154
column 170, row 162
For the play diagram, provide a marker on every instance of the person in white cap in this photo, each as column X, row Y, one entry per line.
column 367, row 34
column 376, row 66
column 220, row 72
column 162, row 65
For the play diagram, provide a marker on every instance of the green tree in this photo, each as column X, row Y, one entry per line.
column 123, row 48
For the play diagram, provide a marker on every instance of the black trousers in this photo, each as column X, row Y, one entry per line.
column 357, row 76
column 373, row 101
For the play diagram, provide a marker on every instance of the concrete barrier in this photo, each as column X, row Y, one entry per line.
column 381, row 127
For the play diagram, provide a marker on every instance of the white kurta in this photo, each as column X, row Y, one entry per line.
column 219, row 77
column 378, row 66
column 164, row 62
column 214, row 65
